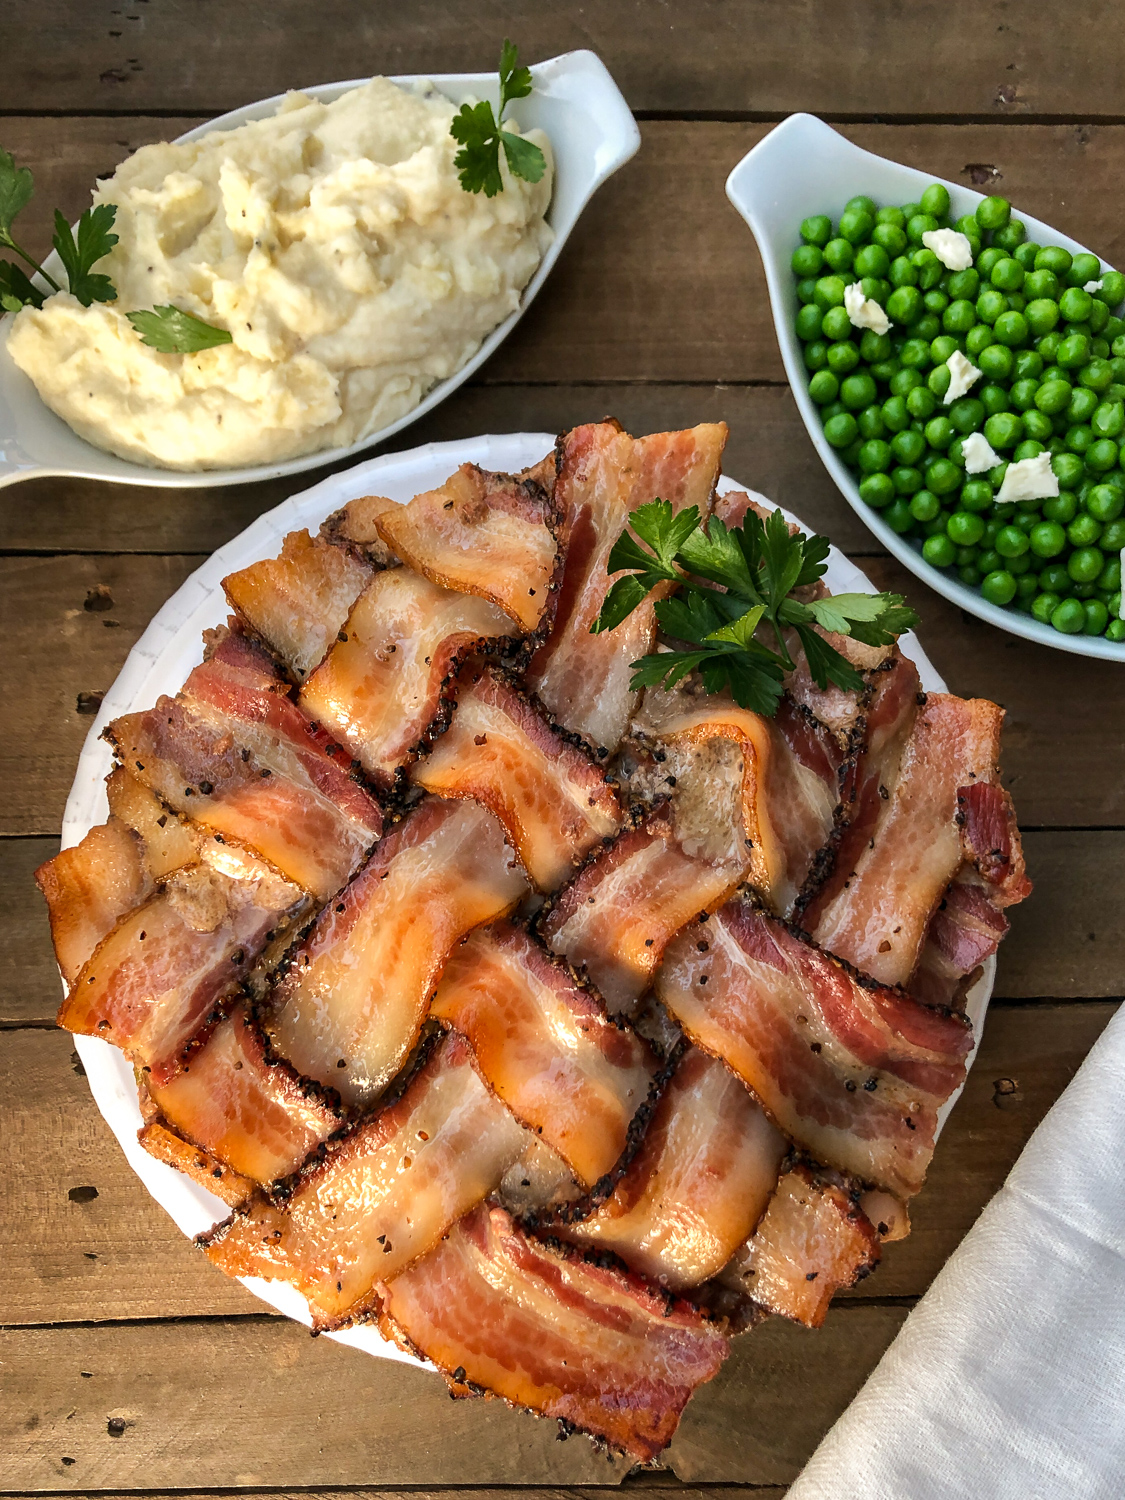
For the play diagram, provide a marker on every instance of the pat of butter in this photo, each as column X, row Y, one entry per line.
column 1030, row 479
column 951, row 247
column 1092, row 286
column 962, row 374
column 978, row 454
column 862, row 311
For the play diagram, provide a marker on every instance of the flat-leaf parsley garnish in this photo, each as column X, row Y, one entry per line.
column 480, row 135
column 173, row 331
column 754, row 569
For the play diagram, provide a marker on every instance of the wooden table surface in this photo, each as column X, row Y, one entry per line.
column 128, row 1363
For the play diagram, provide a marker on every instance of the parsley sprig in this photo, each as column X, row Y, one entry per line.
column 755, row 569
column 480, row 135
column 167, row 329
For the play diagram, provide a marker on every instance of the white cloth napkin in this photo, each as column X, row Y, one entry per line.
column 1007, row 1381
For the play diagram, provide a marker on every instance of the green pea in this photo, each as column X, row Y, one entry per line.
column 1011, row 542
column 1099, row 348
column 858, row 390
column 898, row 517
column 924, row 505
column 958, row 317
column 856, row 224
column 839, row 255
column 1029, row 448
column 1053, row 397
column 1099, row 316
column 1016, row 301
column 1097, row 617
column 874, row 457
column 906, row 480
column 1037, row 426
column 807, row 260
column 1025, row 252
column 1113, row 537
column 841, row 431
column 1023, row 393
column 903, row 272
column 810, row 321
column 1109, row 579
column 1042, row 284
column 916, row 355
column 875, row 347
column 1054, row 579
column 1012, row 234
column 1011, row 328
column 816, row 355
column 1044, row 606
column 1097, row 375
column 1003, row 430
column 1007, row 275
column 1115, row 630
column 824, row 387
column 1028, row 365
column 895, row 415
column 876, row 490
column 1042, row 314
column 943, row 477
column 976, row 496
column 1105, row 502
column 1075, row 304
column 1082, row 405
column 890, row 237
column 835, row 324
column 806, row 290
column 935, row 301
column 921, row 403
column 963, row 285
column 936, row 527
column 841, row 358
column 942, row 347
column 1101, row 455
column 935, row 200
column 927, row 327
column 1085, row 564
column 918, row 225
column 1073, row 352
column 1083, row 590
column 999, row 587
column 940, row 432
column 886, row 370
column 967, row 415
column 1069, row 617
column 908, row 447
column 939, row 551
column 996, row 362
column 990, row 304
column 993, row 213
column 1078, row 438
column 903, row 382
column 1053, row 258
column 1108, row 419
column 939, row 380
column 1048, row 346
column 904, row 305
column 1112, row 291
column 816, row 230
column 1068, row 470
column 1083, row 268
column 969, row 576
column 930, row 269
column 994, row 398
column 870, row 422
column 872, row 260
column 1047, row 539
column 979, row 338
column 890, row 215
column 964, row 529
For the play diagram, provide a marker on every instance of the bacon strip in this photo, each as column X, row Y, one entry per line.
column 886, row 895
column 207, row 1170
column 603, row 474
column 554, row 803
column 617, row 915
column 382, row 1196
column 248, row 1110
column 494, row 1309
column 854, row 1074
column 481, row 533
column 813, row 1240
column 353, row 1000
column 546, row 1046
column 991, row 841
column 381, row 687
column 965, row 930
column 699, row 1183
column 170, row 962
column 355, row 527
column 298, row 602
column 236, row 755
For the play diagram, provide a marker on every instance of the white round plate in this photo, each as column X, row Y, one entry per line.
column 160, row 662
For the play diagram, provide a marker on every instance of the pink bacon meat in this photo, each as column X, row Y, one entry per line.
column 698, row 1184
column 554, row 803
column 382, row 686
column 481, row 533
column 603, row 474
column 353, row 1000
column 382, row 1196
column 493, row 1308
column 854, row 1074
column 546, row 1046
column 236, row 755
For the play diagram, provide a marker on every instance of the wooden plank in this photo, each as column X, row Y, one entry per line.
column 1066, row 943
column 988, row 59
column 769, row 449
column 279, row 1409
column 661, row 279
column 643, row 1484
column 58, row 649
column 117, row 1256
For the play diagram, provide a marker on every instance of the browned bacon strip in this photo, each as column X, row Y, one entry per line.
column 494, row 1309
column 245, row 1108
column 854, row 1074
column 356, row 527
column 172, row 1149
column 546, row 1046
column 699, row 1183
column 965, row 930
column 813, row 1240
column 236, row 755
column 168, row 963
column 877, row 910
column 381, row 687
column 355, row 995
column 298, row 602
column 383, row 1195
column 554, row 803
column 617, row 915
column 991, row 841
column 603, row 474
column 481, row 533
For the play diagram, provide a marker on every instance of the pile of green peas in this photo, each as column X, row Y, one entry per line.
column 1052, row 357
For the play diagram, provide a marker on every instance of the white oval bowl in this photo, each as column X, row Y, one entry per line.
column 159, row 663
column 593, row 133
column 805, row 167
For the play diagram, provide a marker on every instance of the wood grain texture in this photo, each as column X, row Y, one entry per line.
column 259, row 1404
column 117, row 1256
column 858, row 58
column 661, row 279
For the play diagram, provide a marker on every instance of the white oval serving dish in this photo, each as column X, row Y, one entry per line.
column 805, row 167
column 593, row 133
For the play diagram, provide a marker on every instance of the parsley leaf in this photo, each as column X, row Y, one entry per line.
column 16, row 189
column 173, row 331
column 16, row 290
column 728, row 584
column 95, row 240
column 478, row 132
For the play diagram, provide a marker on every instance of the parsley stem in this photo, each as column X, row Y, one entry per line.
column 7, row 240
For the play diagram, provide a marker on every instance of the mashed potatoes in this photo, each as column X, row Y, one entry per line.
column 336, row 244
